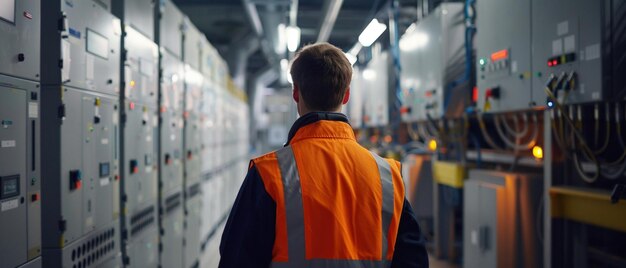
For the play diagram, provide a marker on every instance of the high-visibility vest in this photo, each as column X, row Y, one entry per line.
column 337, row 204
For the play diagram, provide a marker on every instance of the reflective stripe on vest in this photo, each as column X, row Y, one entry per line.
column 295, row 215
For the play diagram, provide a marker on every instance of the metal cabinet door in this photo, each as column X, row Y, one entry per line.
column 13, row 159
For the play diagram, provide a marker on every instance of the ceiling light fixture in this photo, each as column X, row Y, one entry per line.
column 371, row 33
column 293, row 38
column 351, row 58
column 281, row 45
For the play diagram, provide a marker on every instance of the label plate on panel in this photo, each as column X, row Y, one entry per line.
column 7, row 143
column 11, row 204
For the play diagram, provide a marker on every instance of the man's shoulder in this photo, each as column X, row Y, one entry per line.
column 268, row 157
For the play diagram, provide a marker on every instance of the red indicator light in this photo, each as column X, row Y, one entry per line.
column 549, row 63
column 475, row 94
column 78, row 184
column 499, row 55
column 135, row 170
column 555, row 62
column 163, row 109
column 131, row 106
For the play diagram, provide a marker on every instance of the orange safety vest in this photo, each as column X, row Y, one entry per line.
column 337, row 204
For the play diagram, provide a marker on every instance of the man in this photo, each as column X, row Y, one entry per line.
column 322, row 200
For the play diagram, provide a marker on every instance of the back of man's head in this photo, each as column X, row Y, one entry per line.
column 322, row 74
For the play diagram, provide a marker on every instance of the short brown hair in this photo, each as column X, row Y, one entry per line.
column 322, row 73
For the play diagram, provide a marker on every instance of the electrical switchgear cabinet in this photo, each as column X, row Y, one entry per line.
column 172, row 224
column 192, row 47
column 139, row 14
column 432, row 58
column 20, row 205
column 20, row 34
column 567, row 37
column 193, row 222
column 499, row 222
column 171, row 23
column 144, row 250
column 193, row 124
column 140, row 68
column 376, row 87
column 503, row 55
column 172, row 124
column 90, row 47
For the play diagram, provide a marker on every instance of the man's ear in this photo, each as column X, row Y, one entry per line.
column 296, row 94
column 346, row 97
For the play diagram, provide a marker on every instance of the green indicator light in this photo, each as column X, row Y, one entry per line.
column 482, row 61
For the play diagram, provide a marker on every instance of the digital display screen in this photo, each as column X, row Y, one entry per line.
column 7, row 10
column 104, row 170
column 9, row 186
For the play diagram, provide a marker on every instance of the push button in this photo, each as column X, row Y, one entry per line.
column 134, row 167
column 76, row 179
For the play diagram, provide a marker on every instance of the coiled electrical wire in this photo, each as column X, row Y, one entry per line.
column 485, row 133
column 513, row 132
column 516, row 145
column 581, row 141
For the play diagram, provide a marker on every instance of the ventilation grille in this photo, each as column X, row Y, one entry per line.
column 194, row 190
column 94, row 249
column 141, row 220
column 172, row 203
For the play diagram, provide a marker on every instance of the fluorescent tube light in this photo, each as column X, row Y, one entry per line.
column 371, row 33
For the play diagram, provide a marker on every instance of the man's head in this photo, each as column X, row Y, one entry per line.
column 321, row 76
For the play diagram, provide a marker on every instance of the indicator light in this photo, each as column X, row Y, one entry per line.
column 475, row 94
column 550, row 104
column 538, row 152
column 388, row 139
column 131, row 106
column 132, row 83
column 481, row 61
column 499, row 55
column 432, row 145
